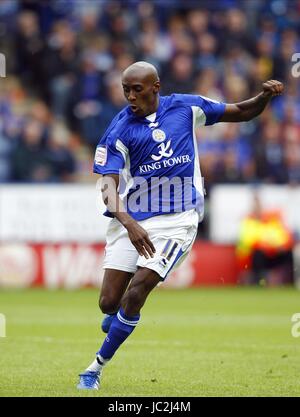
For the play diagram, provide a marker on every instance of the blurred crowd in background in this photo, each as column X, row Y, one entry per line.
column 62, row 87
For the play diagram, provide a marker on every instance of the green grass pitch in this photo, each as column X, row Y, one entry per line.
column 203, row 342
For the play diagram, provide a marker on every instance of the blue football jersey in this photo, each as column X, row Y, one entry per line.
column 157, row 158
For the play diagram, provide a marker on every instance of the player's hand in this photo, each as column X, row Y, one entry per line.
column 140, row 240
column 272, row 88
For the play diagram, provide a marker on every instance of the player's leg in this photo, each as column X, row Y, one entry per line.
column 123, row 324
column 112, row 290
column 119, row 264
column 143, row 282
column 113, row 287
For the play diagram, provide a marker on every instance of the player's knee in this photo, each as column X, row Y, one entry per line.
column 107, row 305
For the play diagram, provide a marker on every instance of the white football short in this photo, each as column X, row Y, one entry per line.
column 171, row 234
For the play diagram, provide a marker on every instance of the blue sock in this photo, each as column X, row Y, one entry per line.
column 121, row 327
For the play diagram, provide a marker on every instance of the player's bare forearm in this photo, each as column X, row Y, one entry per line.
column 112, row 199
column 249, row 109
column 138, row 236
column 253, row 107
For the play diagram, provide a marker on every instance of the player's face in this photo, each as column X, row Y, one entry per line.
column 141, row 93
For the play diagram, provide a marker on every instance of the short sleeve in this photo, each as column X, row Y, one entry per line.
column 110, row 157
column 213, row 110
column 207, row 112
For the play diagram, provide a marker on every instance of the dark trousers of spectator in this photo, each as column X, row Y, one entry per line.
column 281, row 262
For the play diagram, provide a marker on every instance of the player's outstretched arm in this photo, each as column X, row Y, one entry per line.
column 136, row 233
column 247, row 110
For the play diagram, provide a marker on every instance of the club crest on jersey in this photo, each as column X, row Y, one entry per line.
column 158, row 135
